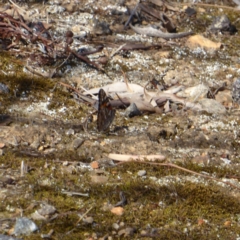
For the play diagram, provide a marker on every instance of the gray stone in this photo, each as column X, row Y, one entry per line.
column 132, row 111
column 236, row 91
column 77, row 143
column 212, row 106
column 141, row 173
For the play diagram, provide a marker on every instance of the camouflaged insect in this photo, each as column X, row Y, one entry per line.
column 106, row 113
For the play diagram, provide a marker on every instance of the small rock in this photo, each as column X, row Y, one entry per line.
column 3, row 88
column 236, row 91
column 227, row 224
column 69, row 132
column 201, row 222
column 88, row 220
column 100, row 28
column 132, row 111
column 2, row 145
column 107, row 207
column 24, row 226
column 141, row 173
column 77, row 143
column 117, row 211
column 144, row 232
column 201, row 159
column 14, row 141
column 153, row 133
column 49, row 151
column 168, row 133
column 161, row 54
column 224, row 97
column 127, row 232
column 65, row 163
column 70, row 169
column 222, row 24
column 202, row 42
column 194, row 93
column 94, row 164
column 35, row 144
column 98, row 179
column 190, row 11
column 115, row 226
column 121, row 224
column 70, row 6
column 5, row 237
column 37, row 216
column 46, row 209
column 212, row 106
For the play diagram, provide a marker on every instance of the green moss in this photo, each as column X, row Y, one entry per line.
column 171, row 209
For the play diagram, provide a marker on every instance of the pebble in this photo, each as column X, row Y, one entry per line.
column 24, row 226
column 77, row 143
column 224, row 97
column 115, row 226
column 88, row 220
column 132, row 111
column 117, row 211
column 222, row 24
column 128, row 231
column 69, row 132
column 194, row 93
column 2, row 145
column 49, row 150
column 5, row 237
column 35, row 144
column 3, row 88
column 212, row 106
column 46, row 209
column 141, row 173
column 153, row 133
column 198, row 41
column 236, row 91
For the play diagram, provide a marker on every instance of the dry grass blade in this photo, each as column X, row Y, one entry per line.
column 127, row 158
column 182, row 169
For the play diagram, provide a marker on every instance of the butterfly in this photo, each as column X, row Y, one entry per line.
column 106, row 113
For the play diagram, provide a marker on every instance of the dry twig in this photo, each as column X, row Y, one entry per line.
column 180, row 168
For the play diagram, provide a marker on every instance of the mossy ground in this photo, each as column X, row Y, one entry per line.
column 199, row 209
column 184, row 210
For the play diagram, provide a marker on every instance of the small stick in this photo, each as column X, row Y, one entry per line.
column 131, row 16
column 85, row 98
column 117, row 50
column 80, row 219
column 185, row 170
column 127, row 158
column 75, row 193
column 14, row 4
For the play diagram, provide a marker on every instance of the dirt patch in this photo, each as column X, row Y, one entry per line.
column 55, row 167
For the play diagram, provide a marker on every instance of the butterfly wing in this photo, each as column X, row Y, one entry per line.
column 106, row 113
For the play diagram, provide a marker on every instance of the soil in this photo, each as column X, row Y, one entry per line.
column 49, row 156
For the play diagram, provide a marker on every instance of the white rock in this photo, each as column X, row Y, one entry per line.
column 194, row 93
column 212, row 106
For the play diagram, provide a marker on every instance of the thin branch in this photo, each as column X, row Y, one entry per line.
column 185, row 170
